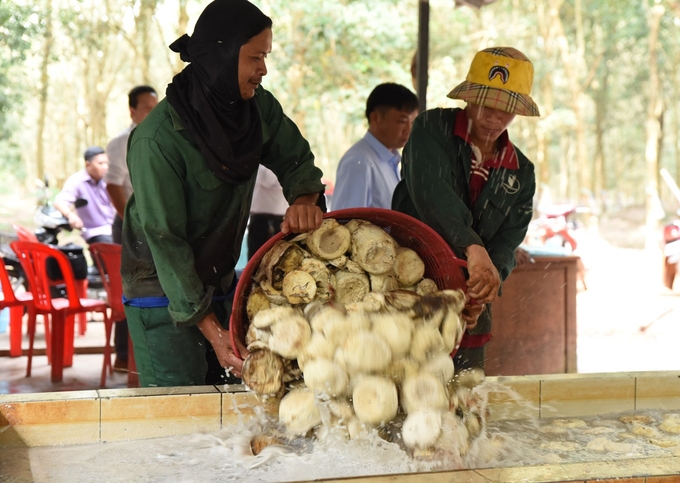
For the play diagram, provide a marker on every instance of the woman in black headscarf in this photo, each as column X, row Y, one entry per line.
column 193, row 164
column 206, row 93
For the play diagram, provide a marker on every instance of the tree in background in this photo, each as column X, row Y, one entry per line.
column 594, row 80
column 328, row 56
column 17, row 26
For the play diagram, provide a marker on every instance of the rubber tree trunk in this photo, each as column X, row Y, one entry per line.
column 543, row 133
column 573, row 67
column 147, row 10
column 653, row 130
column 43, row 92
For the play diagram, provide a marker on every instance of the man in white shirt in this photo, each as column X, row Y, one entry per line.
column 369, row 171
column 141, row 99
column 266, row 211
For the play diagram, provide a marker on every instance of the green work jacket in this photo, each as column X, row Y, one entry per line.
column 435, row 189
column 183, row 226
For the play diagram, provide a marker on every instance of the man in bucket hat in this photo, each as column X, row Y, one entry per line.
column 463, row 177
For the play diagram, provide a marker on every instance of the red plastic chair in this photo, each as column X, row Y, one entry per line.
column 107, row 258
column 33, row 258
column 16, row 304
column 24, row 234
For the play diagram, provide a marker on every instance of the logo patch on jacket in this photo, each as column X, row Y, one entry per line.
column 511, row 184
column 499, row 71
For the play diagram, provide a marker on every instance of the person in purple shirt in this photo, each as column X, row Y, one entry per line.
column 369, row 171
column 95, row 218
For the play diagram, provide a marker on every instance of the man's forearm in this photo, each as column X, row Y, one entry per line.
column 72, row 217
column 118, row 198
column 64, row 208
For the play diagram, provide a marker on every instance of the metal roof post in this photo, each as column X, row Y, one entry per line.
column 422, row 55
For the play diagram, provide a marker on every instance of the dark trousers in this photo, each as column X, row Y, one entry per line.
column 120, row 328
column 475, row 356
column 100, row 239
column 260, row 229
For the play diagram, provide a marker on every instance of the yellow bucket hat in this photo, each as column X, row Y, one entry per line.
column 499, row 78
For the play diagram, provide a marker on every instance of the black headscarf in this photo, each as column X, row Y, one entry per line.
column 206, row 94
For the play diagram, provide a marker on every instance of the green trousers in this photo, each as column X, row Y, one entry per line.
column 166, row 355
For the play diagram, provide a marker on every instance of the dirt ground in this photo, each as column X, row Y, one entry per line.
column 16, row 207
column 627, row 320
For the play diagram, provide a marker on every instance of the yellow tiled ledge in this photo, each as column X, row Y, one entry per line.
column 81, row 417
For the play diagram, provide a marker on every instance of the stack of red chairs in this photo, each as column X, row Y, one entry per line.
column 16, row 303
column 24, row 234
column 107, row 258
column 33, row 257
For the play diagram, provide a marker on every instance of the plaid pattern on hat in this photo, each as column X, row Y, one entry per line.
column 499, row 78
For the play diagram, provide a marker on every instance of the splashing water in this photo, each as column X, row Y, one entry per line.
column 227, row 371
column 227, row 455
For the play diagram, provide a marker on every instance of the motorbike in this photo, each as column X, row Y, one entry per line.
column 671, row 237
column 50, row 222
column 556, row 226
column 671, row 251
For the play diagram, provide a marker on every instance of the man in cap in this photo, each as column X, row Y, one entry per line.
column 93, row 219
column 463, row 177
column 267, row 210
column 193, row 163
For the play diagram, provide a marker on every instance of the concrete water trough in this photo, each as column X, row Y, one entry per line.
column 82, row 421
